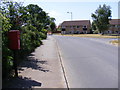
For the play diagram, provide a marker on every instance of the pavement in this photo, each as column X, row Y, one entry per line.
column 42, row 69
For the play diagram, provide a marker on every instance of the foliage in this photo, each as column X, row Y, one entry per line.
column 93, row 26
column 101, row 18
column 31, row 21
column 53, row 26
column 7, row 55
column 96, row 32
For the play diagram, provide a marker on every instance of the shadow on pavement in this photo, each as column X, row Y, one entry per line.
column 33, row 63
column 20, row 82
column 25, row 83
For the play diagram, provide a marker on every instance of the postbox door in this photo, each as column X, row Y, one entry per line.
column 14, row 39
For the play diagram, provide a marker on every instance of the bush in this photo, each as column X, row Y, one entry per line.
column 96, row 32
column 7, row 54
column 31, row 26
column 42, row 35
column 44, row 31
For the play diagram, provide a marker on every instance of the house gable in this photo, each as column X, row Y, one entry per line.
column 76, row 26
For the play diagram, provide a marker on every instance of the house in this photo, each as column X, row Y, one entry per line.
column 75, row 27
column 114, row 26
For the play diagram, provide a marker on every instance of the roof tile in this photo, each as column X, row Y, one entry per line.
column 77, row 22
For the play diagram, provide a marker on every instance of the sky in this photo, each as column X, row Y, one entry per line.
column 81, row 9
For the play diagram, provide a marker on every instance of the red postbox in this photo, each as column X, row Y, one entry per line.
column 14, row 39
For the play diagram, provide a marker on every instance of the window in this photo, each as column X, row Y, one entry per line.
column 113, row 25
column 78, row 26
column 71, row 27
column 116, row 26
column 63, row 26
column 84, row 26
column 74, row 26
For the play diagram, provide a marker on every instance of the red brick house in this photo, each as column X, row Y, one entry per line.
column 114, row 26
column 71, row 27
column 77, row 26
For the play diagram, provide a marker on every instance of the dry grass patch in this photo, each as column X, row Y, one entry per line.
column 56, row 33
column 92, row 35
column 115, row 42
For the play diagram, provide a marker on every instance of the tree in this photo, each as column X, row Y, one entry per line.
column 11, row 11
column 53, row 26
column 6, row 52
column 93, row 26
column 101, row 18
column 31, row 21
column 37, row 17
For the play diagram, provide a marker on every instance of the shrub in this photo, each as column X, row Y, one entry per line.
column 42, row 35
column 96, row 32
column 31, row 24
column 44, row 31
column 7, row 54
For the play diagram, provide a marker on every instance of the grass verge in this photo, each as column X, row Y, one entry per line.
column 92, row 35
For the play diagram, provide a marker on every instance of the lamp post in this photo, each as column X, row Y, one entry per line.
column 71, row 15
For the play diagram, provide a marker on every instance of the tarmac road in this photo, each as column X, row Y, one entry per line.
column 89, row 62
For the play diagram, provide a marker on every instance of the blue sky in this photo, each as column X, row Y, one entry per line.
column 81, row 10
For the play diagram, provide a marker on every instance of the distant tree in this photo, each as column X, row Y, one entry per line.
column 93, row 26
column 52, row 19
column 53, row 26
column 101, row 18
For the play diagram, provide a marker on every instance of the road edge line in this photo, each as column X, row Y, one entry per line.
column 60, row 58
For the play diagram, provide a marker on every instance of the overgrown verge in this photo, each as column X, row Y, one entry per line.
column 32, row 22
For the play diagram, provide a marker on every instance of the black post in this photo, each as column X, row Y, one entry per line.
column 15, row 63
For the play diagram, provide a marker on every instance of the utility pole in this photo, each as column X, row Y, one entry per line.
column 71, row 15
